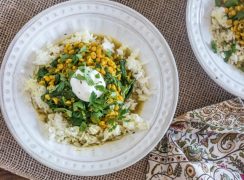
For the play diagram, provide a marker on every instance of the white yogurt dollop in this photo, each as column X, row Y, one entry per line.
column 90, row 79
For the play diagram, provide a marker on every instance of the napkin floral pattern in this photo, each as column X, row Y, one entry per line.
column 203, row 144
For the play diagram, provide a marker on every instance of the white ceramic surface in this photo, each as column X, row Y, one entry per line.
column 199, row 33
column 97, row 16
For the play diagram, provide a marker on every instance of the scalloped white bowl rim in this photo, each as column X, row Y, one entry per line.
column 198, row 27
column 70, row 166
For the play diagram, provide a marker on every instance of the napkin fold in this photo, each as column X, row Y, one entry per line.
column 206, row 143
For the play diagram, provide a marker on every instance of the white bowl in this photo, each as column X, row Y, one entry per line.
column 98, row 16
column 199, row 32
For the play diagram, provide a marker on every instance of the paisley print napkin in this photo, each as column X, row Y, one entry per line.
column 206, row 143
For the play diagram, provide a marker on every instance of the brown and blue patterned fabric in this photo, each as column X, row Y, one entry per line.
column 206, row 143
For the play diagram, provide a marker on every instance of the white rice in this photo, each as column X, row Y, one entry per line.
column 224, row 37
column 142, row 84
column 107, row 45
column 35, row 90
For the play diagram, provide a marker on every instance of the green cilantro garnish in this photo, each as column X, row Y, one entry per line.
column 97, row 75
column 100, row 88
column 109, row 53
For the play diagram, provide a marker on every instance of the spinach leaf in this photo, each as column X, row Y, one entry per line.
column 96, row 116
column 98, row 106
column 78, row 106
column 62, row 77
column 58, row 89
column 231, row 3
column 230, row 52
column 92, row 98
column 50, row 103
column 54, row 62
column 227, row 55
column 66, row 111
column 113, row 124
column 77, row 118
column 70, row 74
column 41, row 73
column 214, row 46
column 57, row 78
column 233, row 48
column 63, row 89
column 63, row 57
column 83, row 126
column 239, row 15
column 218, row 3
column 68, row 94
column 63, row 100
column 122, row 113
column 75, row 59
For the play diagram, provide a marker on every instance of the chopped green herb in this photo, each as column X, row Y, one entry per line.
column 227, row 55
column 230, row 52
column 79, row 56
column 239, row 15
column 214, row 46
column 97, row 75
column 108, row 53
column 122, row 113
column 80, row 77
column 60, row 87
column 66, row 111
column 64, row 57
column 83, row 126
column 86, row 76
column 233, row 48
column 78, row 106
column 89, row 81
column 83, row 49
column 113, row 125
column 75, row 59
column 100, row 88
